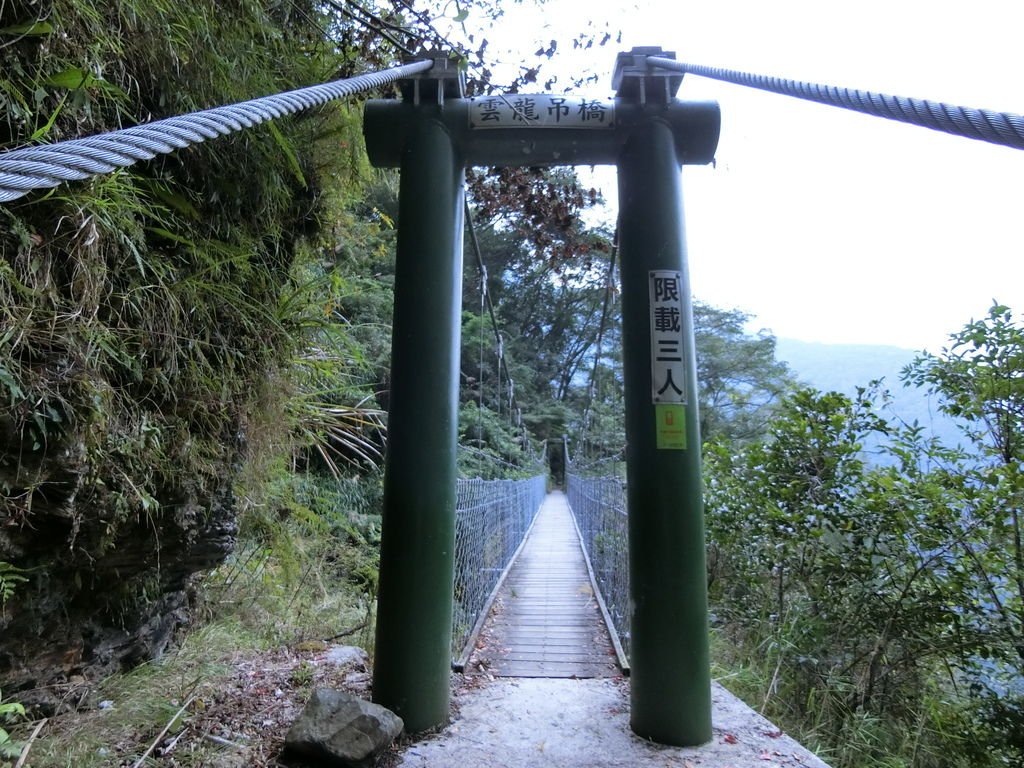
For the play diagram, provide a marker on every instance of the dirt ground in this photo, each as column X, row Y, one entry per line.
column 236, row 720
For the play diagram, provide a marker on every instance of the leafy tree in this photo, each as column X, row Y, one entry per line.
column 540, row 208
column 883, row 600
column 738, row 378
column 980, row 378
column 548, row 311
column 833, row 570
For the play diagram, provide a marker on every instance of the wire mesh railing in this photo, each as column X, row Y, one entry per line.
column 492, row 518
column 599, row 506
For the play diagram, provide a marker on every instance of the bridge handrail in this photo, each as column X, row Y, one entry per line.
column 598, row 504
column 492, row 518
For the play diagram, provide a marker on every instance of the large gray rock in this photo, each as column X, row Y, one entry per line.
column 338, row 729
column 348, row 656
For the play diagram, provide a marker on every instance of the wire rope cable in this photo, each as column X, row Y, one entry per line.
column 1003, row 128
column 41, row 167
column 592, row 385
column 498, row 340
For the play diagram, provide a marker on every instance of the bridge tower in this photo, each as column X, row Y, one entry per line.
column 432, row 134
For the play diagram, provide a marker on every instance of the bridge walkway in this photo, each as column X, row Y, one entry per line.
column 546, row 621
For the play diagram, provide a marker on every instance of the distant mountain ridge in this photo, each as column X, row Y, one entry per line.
column 844, row 367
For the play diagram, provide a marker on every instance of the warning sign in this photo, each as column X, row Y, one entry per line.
column 668, row 366
column 516, row 110
column 671, row 427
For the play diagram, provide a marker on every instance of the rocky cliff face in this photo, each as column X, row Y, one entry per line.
column 119, row 444
column 100, row 595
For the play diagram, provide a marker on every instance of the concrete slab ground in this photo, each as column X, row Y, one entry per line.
column 564, row 723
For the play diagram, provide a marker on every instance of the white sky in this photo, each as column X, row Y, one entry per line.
column 829, row 225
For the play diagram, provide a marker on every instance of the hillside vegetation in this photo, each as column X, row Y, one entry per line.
column 875, row 602
column 168, row 350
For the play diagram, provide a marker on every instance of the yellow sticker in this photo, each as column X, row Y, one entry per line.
column 671, row 426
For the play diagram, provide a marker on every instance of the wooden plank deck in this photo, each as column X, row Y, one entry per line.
column 545, row 621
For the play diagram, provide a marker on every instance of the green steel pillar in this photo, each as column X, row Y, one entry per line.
column 669, row 665
column 414, row 606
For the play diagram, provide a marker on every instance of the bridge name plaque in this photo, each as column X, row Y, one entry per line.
column 517, row 110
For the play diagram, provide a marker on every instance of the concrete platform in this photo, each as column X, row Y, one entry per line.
column 560, row 723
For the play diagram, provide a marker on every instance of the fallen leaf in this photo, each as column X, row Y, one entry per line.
column 772, row 734
column 730, row 739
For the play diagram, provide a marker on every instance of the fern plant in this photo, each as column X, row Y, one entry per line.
column 9, row 710
column 10, row 575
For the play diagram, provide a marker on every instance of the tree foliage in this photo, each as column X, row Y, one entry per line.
column 738, row 377
column 980, row 378
column 883, row 597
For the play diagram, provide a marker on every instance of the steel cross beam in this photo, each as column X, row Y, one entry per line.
column 432, row 134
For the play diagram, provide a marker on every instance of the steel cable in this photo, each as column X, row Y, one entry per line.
column 42, row 167
column 609, row 286
column 1004, row 128
column 486, row 298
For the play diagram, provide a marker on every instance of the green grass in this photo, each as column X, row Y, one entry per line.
column 260, row 613
column 929, row 737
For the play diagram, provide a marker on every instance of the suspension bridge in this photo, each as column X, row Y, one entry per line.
column 499, row 577
column 546, row 619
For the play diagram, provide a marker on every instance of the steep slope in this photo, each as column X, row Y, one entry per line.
column 147, row 317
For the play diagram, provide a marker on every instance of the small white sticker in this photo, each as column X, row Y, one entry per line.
column 516, row 110
column 668, row 358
